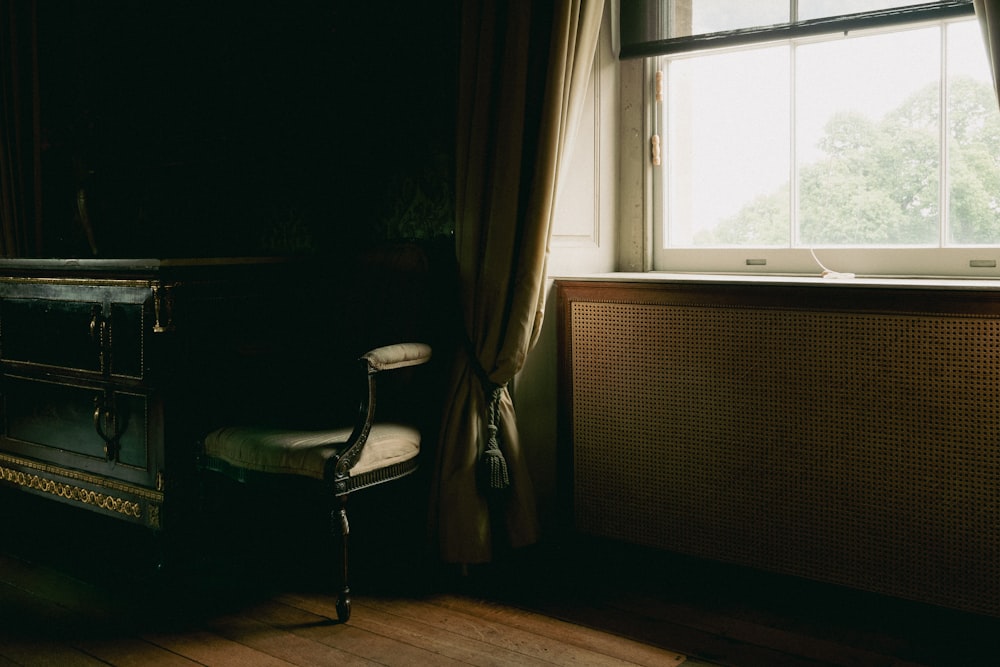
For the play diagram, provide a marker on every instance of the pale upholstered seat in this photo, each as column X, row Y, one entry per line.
column 345, row 459
column 388, row 447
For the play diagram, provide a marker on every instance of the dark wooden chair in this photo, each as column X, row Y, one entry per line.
column 344, row 460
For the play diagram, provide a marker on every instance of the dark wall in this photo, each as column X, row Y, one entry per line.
column 189, row 128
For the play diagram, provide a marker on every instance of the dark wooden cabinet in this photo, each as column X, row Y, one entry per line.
column 111, row 370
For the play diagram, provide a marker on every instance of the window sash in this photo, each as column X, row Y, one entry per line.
column 950, row 259
column 645, row 28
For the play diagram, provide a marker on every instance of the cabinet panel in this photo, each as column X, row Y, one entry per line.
column 55, row 333
column 86, row 336
column 62, row 416
column 111, row 370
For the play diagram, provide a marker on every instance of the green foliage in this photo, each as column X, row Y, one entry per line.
column 878, row 181
column 420, row 205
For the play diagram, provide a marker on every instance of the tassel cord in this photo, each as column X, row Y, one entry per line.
column 496, row 466
column 494, row 475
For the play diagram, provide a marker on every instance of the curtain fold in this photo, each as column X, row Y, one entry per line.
column 20, row 141
column 523, row 74
column 988, row 13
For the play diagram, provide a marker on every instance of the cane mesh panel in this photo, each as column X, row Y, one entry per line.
column 855, row 448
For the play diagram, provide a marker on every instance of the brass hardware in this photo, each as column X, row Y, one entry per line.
column 81, row 477
column 163, row 308
column 70, row 492
column 107, row 425
column 95, row 314
column 154, row 516
column 160, row 482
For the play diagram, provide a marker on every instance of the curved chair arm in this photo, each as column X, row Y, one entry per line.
column 400, row 355
column 387, row 357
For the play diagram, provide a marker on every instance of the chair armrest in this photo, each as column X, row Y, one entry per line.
column 400, row 355
column 387, row 357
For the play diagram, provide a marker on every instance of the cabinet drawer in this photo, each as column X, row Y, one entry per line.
column 56, row 422
column 77, row 335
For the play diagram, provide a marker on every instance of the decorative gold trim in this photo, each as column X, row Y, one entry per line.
column 70, row 492
column 88, row 282
column 33, row 365
column 154, row 515
column 86, row 478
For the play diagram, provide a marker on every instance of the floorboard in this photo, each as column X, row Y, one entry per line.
column 77, row 589
column 734, row 616
column 598, row 641
column 132, row 652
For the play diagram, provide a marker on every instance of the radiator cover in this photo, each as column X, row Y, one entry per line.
column 845, row 434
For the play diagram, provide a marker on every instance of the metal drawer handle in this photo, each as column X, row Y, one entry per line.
column 107, row 425
column 96, row 325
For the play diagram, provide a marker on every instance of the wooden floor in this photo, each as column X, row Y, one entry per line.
column 49, row 619
column 75, row 589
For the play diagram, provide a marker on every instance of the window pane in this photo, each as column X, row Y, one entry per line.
column 700, row 16
column 974, row 140
column 728, row 149
column 868, row 140
column 814, row 9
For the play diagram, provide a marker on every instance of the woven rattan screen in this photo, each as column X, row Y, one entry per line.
column 856, row 445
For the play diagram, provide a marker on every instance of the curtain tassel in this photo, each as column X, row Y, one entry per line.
column 493, row 462
column 493, row 475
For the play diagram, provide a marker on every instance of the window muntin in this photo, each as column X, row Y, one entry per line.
column 742, row 127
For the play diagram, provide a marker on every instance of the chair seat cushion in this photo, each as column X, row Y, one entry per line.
column 306, row 452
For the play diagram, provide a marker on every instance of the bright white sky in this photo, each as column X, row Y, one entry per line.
column 717, row 15
column 732, row 133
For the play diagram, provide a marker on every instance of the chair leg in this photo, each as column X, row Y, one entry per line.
column 340, row 526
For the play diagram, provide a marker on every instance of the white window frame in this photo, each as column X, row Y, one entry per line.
column 938, row 262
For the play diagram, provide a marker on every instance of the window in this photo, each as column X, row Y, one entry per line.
column 873, row 149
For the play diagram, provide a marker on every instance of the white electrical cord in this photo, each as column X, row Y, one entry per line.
column 827, row 273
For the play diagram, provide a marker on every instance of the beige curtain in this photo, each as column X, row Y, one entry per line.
column 988, row 12
column 523, row 76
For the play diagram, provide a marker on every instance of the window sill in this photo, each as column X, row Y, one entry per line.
column 970, row 284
